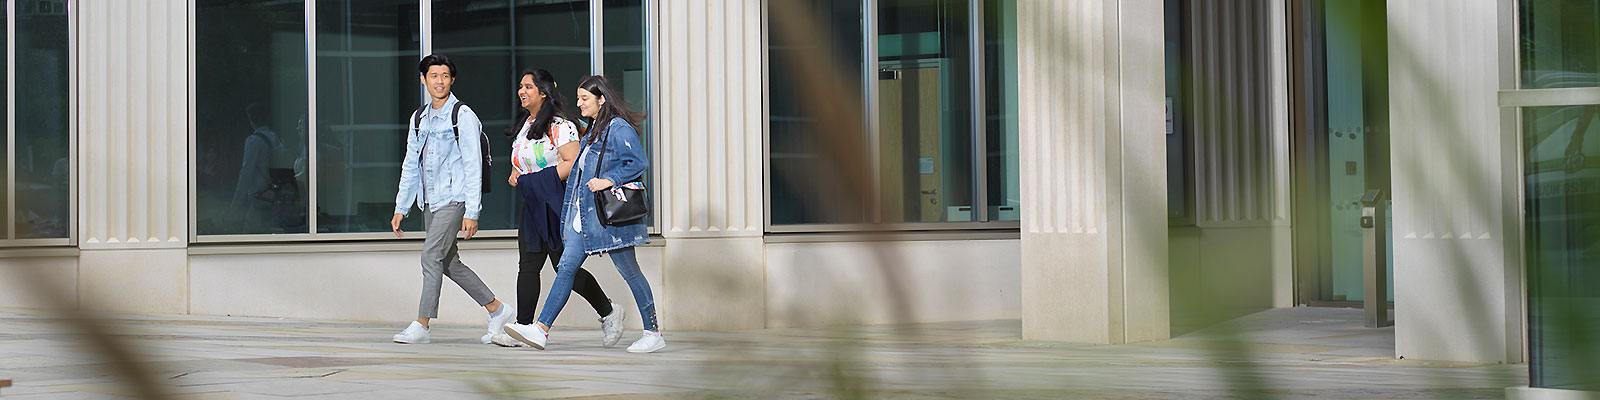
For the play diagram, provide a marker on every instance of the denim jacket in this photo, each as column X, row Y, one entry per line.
column 624, row 162
column 450, row 170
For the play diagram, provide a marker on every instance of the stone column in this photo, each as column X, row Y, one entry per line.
column 711, row 154
column 1094, row 235
column 132, row 84
column 1458, row 267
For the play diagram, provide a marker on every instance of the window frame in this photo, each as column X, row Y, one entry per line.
column 8, row 236
column 426, row 35
column 978, row 114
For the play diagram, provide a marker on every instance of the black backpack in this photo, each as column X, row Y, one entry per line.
column 483, row 143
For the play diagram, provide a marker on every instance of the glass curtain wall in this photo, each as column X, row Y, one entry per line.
column 40, row 142
column 1561, row 49
column 250, row 117
column 928, row 157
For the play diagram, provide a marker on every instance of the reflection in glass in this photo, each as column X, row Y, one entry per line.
column 1560, row 43
column 367, row 87
column 924, row 122
column 42, row 137
column 796, row 152
column 488, row 51
column 1000, row 75
column 250, row 111
column 1562, row 153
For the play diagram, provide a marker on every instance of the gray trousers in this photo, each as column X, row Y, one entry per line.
column 441, row 258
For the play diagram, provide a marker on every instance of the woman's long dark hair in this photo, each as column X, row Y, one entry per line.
column 554, row 106
column 614, row 107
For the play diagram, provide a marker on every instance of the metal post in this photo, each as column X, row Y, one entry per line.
column 1374, row 256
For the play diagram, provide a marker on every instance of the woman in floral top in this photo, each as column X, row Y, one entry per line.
column 542, row 154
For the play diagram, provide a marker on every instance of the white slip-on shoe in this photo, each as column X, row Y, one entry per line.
column 488, row 338
column 504, row 340
column 414, row 334
column 611, row 326
column 531, row 334
column 507, row 312
column 650, row 343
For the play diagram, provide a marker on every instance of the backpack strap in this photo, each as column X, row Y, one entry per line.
column 455, row 119
column 416, row 118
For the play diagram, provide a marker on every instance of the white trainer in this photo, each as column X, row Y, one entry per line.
column 611, row 326
column 650, row 343
column 504, row 340
column 414, row 334
column 507, row 312
column 531, row 334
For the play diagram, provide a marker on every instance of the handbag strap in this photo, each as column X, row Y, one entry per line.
column 603, row 143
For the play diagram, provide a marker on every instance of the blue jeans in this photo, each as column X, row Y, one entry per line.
column 572, row 259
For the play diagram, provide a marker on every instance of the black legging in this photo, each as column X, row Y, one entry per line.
column 528, row 266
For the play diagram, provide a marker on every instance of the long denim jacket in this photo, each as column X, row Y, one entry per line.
column 624, row 162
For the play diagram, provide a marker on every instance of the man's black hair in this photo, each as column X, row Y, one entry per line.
column 436, row 59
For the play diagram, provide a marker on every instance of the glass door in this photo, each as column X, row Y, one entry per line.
column 1341, row 147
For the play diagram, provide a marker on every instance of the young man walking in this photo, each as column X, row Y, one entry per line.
column 441, row 175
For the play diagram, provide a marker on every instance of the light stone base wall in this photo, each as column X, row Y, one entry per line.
column 820, row 284
column 39, row 282
column 138, row 281
column 385, row 286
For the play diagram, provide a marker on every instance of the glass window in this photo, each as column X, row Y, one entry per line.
column 489, row 51
column 367, row 88
column 922, row 142
column 250, row 117
column 1560, row 43
column 924, row 119
column 42, row 138
column 625, row 63
column 1000, row 75
column 1178, row 194
column 5, row 107
column 1562, row 152
column 796, row 151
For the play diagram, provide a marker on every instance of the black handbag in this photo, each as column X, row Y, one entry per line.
column 622, row 203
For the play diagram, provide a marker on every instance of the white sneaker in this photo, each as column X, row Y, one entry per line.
column 507, row 312
column 650, row 343
column 504, row 340
column 611, row 326
column 531, row 334
column 414, row 334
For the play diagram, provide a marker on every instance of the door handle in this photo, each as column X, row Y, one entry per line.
column 931, row 191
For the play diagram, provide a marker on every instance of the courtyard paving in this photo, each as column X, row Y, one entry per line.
column 1284, row 353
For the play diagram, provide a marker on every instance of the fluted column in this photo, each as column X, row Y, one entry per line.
column 711, row 134
column 1457, row 251
column 1094, row 244
column 133, row 116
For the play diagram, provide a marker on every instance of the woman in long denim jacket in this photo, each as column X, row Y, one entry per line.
column 624, row 163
